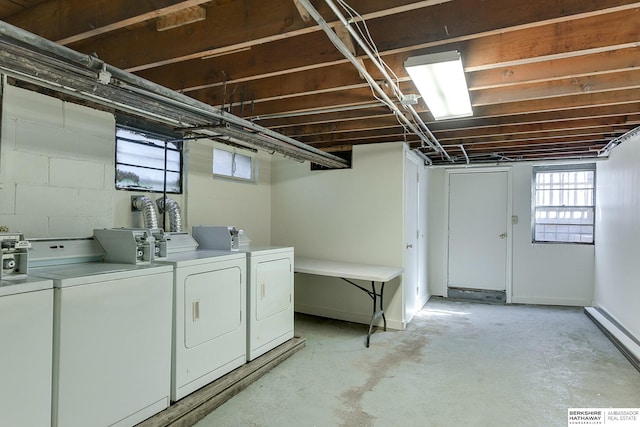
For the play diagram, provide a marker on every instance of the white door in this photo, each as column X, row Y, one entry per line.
column 478, row 240
column 411, row 197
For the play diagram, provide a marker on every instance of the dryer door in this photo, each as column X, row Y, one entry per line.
column 274, row 285
column 213, row 305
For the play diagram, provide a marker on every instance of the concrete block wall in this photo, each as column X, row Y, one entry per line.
column 57, row 176
column 56, row 166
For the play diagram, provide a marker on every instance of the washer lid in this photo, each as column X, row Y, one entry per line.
column 95, row 272
column 26, row 284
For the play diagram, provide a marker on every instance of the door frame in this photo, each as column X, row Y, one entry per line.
column 420, row 241
column 508, row 225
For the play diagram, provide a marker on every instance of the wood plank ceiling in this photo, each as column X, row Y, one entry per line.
column 549, row 79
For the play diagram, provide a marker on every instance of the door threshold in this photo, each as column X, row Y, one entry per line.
column 483, row 295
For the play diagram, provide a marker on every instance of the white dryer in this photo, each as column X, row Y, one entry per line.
column 270, row 285
column 270, row 299
column 209, row 316
column 111, row 334
column 26, row 334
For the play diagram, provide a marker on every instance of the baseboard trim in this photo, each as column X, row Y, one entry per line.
column 536, row 300
column 628, row 345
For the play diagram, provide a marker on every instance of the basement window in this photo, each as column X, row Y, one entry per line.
column 140, row 161
column 230, row 163
column 564, row 204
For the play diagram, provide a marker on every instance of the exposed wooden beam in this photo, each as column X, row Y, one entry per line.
column 304, row 13
column 531, row 138
column 574, row 67
column 532, row 128
column 513, row 128
column 558, row 88
column 261, row 21
column 79, row 20
column 183, row 17
column 618, row 30
column 611, row 98
column 280, row 87
column 539, row 119
column 261, row 62
column 329, row 117
column 275, row 20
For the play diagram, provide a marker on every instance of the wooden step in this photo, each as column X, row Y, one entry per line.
column 192, row 408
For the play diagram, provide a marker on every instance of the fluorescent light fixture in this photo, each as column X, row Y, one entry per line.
column 440, row 80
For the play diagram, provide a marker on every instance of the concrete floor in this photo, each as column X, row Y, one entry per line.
column 456, row 364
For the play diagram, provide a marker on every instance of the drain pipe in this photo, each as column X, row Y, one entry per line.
column 427, row 138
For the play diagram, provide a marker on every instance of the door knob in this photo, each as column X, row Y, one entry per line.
column 410, row 245
column 503, row 236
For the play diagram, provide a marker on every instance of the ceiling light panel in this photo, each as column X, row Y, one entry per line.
column 441, row 82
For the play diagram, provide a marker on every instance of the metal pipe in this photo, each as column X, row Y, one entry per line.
column 604, row 151
column 241, row 137
column 363, row 71
column 36, row 41
column 423, row 156
column 339, row 44
column 464, row 152
column 436, row 144
column 165, row 96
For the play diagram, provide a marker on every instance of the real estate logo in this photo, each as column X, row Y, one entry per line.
column 627, row 417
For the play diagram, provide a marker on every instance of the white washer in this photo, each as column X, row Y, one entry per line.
column 111, row 335
column 269, row 284
column 26, row 333
column 209, row 317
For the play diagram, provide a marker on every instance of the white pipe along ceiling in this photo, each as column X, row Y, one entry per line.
column 414, row 124
column 31, row 58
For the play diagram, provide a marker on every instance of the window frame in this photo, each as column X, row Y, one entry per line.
column 234, row 152
column 156, row 136
column 575, row 167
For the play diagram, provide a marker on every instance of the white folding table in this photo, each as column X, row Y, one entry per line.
column 348, row 272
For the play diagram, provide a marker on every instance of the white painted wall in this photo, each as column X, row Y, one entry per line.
column 57, row 175
column 355, row 215
column 556, row 274
column 617, row 288
column 553, row 274
column 436, row 231
column 219, row 201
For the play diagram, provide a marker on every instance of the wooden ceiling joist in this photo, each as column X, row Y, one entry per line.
column 542, row 75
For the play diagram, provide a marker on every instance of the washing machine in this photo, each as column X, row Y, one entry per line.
column 209, row 315
column 26, row 334
column 270, row 284
column 111, row 334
